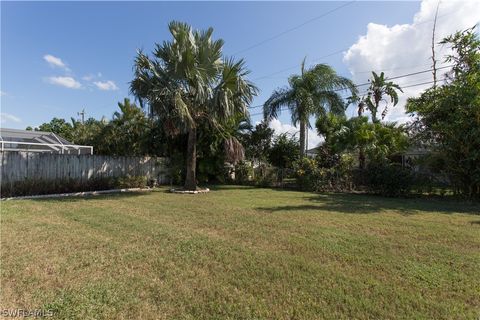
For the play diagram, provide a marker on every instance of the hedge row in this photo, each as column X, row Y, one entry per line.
column 30, row 187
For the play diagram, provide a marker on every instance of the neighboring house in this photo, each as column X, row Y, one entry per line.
column 39, row 141
column 412, row 154
column 311, row 153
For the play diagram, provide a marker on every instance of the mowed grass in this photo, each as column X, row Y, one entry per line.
column 241, row 253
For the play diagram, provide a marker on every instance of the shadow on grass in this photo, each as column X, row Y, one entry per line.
column 369, row 204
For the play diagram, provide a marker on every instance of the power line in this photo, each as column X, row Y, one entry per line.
column 331, row 54
column 398, row 77
column 297, row 65
column 401, row 68
column 294, row 28
column 392, row 78
column 408, row 86
column 368, row 83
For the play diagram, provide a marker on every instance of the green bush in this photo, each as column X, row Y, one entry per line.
column 306, row 173
column 243, row 172
column 312, row 176
column 30, row 187
column 387, row 179
column 267, row 176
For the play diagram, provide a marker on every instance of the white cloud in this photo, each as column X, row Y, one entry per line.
column 403, row 49
column 55, row 62
column 67, row 82
column 88, row 77
column 2, row 93
column 6, row 117
column 106, row 85
column 279, row 127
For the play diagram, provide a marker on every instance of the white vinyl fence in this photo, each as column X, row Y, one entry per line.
column 19, row 166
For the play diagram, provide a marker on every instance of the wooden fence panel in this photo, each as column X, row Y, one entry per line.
column 18, row 166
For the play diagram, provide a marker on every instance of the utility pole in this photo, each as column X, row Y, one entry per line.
column 82, row 113
column 434, row 65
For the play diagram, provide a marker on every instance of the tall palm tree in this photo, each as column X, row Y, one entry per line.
column 379, row 87
column 314, row 92
column 188, row 82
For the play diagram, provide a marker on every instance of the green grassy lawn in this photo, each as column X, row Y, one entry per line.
column 241, row 253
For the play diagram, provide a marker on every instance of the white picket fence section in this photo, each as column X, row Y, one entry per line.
column 19, row 166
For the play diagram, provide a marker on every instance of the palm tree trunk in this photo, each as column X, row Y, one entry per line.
column 302, row 138
column 190, row 180
column 361, row 158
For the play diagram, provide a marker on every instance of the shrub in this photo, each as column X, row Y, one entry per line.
column 387, row 179
column 267, row 176
column 243, row 172
column 30, row 187
column 306, row 174
column 131, row 182
column 312, row 175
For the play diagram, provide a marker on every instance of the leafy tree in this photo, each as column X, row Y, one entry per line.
column 127, row 133
column 188, row 82
column 214, row 150
column 330, row 125
column 88, row 133
column 257, row 141
column 284, row 151
column 314, row 92
column 379, row 141
column 58, row 126
column 448, row 116
column 379, row 88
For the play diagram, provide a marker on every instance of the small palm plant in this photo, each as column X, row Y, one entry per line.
column 379, row 87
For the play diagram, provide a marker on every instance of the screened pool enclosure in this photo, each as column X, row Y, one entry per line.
column 39, row 141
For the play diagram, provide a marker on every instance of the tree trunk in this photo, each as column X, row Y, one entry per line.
column 191, row 180
column 361, row 158
column 302, row 138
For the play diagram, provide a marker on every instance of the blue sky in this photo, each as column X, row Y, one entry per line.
column 97, row 41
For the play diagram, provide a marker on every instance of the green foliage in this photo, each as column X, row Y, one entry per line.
column 267, row 176
column 284, row 151
column 243, row 172
column 189, row 84
column 379, row 87
column 312, row 175
column 58, row 126
column 307, row 174
column 387, row 179
column 40, row 187
column 314, row 92
column 257, row 142
column 378, row 140
column 448, row 116
column 127, row 133
column 89, row 133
